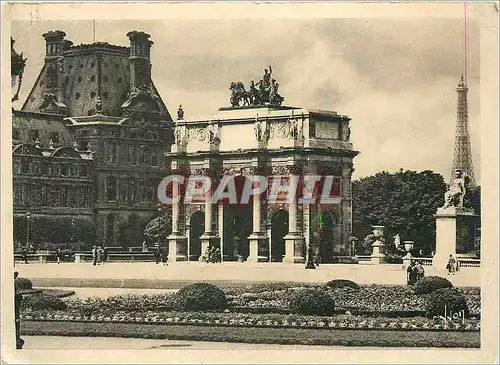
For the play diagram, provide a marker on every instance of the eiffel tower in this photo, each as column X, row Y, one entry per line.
column 462, row 158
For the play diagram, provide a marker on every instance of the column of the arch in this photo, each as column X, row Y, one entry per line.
column 258, row 238
column 294, row 240
column 176, row 241
column 209, row 237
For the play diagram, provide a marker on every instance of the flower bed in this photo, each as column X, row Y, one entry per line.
column 257, row 320
column 373, row 307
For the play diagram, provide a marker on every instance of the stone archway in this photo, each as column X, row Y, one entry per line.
column 327, row 236
column 279, row 229
column 238, row 219
column 196, row 229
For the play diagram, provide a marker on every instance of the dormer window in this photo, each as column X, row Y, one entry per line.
column 54, row 136
column 34, row 135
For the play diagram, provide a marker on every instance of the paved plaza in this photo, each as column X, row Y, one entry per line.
column 115, row 343
column 150, row 275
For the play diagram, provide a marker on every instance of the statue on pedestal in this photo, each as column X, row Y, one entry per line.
column 454, row 197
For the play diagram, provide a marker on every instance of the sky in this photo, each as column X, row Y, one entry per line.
column 396, row 78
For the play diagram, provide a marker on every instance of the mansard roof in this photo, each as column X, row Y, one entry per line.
column 84, row 72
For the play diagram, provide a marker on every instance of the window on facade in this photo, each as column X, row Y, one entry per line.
column 83, row 170
column 132, row 191
column 36, row 194
column 34, row 135
column 64, row 196
column 312, row 129
column 45, row 168
column 54, row 136
column 55, row 196
column 86, row 196
column 144, row 155
column 154, row 157
column 45, row 195
column 25, row 166
column 111, row 188
column 123, row 190
column 35, row 167
column 64, row 169
column 133, row 155
column 16, row 134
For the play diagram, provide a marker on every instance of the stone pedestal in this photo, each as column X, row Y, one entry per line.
column 177, row 248
column 42, row 258
column 449, row 222
column 294, row 248
column 377, row 257
column 257, row 243
column 407, row 260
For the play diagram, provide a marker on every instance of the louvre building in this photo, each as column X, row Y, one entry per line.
column 93, row 140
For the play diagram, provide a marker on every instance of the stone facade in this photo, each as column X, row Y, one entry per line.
column 90, row 140
column 264, row 140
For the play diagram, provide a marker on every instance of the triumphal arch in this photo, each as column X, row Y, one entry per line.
column 258, row 135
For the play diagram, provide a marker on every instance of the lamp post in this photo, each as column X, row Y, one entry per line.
column 28, row 217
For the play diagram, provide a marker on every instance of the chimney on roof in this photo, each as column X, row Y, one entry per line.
column 139, row 59
column 53, row 43
column 54, row 61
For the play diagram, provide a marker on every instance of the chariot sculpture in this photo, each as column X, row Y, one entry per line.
column 262, row 92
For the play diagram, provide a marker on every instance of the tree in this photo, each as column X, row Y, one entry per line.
column 158, row 229
column 131, row 231
column 404, row 202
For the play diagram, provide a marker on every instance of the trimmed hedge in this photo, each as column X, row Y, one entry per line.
column 341, row 283
column 430, row 284
column 23, row 284
column 43, row 301
column 449, row 299
column 199, row 297
column 312, row 302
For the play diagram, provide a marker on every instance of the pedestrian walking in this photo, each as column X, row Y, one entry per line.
column 218, row 256
column 94, row 255
column 58, row 255
column 99, row 255
column 419, row 270
column 164, row 256
column 411, row 273
column 25, row 255
column 157, row 254
column 104, row 255
column 18, row 298
column 451, row 265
